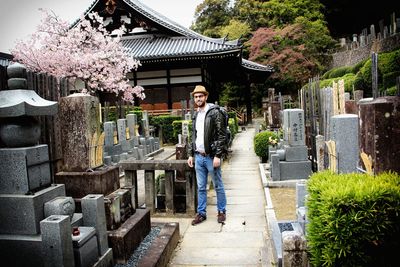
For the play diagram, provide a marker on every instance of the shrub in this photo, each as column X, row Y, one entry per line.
column 233, row 126
column 389, row 79
column 177, row 128
column 356, row 68
column 389, row 62
column 167, row 129
column 339, row 72
column 262, row 141
column 354, row 219
column 391, row 91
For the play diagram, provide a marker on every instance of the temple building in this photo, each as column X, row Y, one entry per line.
column 173, row 58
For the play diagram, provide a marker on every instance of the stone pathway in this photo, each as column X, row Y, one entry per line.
column 243, row 239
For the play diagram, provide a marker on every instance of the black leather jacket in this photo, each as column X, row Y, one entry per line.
column 214, row 133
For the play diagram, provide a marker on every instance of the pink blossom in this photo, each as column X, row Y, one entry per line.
column 83, row 52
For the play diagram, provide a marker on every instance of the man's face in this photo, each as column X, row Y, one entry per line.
column 200, row 99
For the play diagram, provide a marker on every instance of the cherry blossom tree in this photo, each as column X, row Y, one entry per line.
column 87, row 52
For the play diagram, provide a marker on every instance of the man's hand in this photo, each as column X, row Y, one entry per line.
column 190, row 162
column 216, row 162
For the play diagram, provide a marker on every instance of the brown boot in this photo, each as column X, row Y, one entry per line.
column 199, row 219
column 221, row 217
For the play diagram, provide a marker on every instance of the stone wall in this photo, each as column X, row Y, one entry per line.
column 355, row 55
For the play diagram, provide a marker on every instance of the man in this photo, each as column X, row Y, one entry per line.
column 206, row 151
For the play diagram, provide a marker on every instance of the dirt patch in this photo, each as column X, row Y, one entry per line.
column 284, row 202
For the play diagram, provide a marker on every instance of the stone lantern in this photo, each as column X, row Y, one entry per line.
column 24, row 163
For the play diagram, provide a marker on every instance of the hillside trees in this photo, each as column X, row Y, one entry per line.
column 290, row 35
column 211, row 16
column 86, row 52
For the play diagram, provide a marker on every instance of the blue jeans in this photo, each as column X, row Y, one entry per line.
column 204, row 166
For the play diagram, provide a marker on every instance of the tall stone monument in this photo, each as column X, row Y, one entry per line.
column 79, row 120
column 379, row 132
column 25, row 180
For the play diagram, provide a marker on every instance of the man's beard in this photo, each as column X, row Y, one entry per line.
column 201, row 104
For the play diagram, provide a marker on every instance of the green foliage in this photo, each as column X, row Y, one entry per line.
column 261, row 142
column 113, row 113
column 235, row 30
column 389, row 79
column 211, row 16
column 388, row 70
column 159, row 177
column 177, row 128
column 391, row 91
column 167, row 129
column 250, row 11
column 358, row 66
column 389, row 61
column 233, row 126
column 283, row 12
column 349, row 81
column 337, row 72
column 232, row 95
column 354, row 219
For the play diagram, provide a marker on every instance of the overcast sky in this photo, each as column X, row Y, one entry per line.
column 19, row 18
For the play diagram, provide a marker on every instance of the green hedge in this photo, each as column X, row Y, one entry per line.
column 359, row 75
column 177, row 128
column 389, row 79
column 337, row 72
column 354, row 219
column 165, row 122
column 261, row 142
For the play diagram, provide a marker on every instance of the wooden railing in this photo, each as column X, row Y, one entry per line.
column 170, row 167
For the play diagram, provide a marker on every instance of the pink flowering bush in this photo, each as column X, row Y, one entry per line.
column 86, row 52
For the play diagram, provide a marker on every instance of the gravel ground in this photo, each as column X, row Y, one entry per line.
column 284, row 202
column 141, row 250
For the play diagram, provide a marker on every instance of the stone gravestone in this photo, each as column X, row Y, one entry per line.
column 79, row 123
column 291, row 160
column 79, row 119
column 379, row 132
column 344, row 132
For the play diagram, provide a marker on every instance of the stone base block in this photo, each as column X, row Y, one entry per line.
column 128, row 237
column 21, row 250
column 162, row 247
column 85, row 249
column 294, row 170
column 296, row 153
column 21, row 214
column 24, row 169
column 79, row 184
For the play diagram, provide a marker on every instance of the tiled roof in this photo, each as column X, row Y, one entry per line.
column 255, row 66
column 189, row 44
column 5, row 59
column 152, row 47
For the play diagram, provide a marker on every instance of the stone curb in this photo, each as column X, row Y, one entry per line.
column 162, row 247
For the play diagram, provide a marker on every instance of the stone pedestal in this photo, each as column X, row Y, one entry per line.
column 21, row 214
column 24, row 169
column 379, row 132
column 79, row 184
